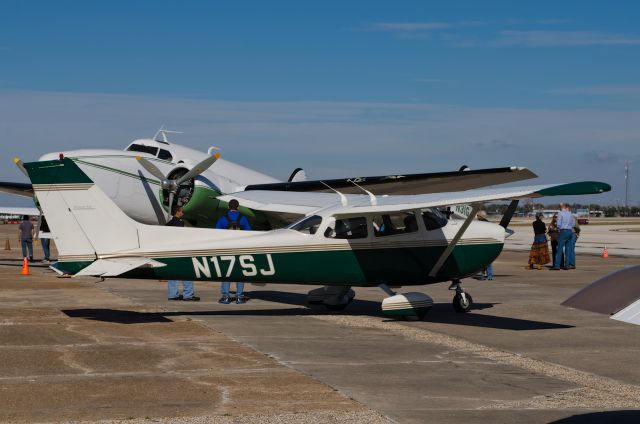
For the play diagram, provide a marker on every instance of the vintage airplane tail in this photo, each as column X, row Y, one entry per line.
column 87, row 222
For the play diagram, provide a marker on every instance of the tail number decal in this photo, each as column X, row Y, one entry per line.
column 223, row 266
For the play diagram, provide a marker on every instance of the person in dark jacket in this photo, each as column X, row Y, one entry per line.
column 232, row 220
column 44, row 228
column 187, row 286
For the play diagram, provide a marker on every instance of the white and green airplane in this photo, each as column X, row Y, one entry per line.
column 343, row 241
column 149, row 175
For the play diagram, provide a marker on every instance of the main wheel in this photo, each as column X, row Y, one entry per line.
column 462, row 304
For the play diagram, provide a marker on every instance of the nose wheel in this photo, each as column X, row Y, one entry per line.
column 462, row 300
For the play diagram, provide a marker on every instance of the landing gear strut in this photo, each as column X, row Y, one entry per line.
column 462, row 301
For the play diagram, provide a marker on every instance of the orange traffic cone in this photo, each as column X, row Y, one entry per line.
column 25, row 267
column 605, row 252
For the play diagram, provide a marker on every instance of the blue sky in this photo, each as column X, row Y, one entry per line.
column 340, row 88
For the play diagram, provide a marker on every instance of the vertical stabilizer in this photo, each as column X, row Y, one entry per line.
column 85, row 221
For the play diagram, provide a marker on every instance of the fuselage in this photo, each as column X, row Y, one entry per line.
column 138, row 193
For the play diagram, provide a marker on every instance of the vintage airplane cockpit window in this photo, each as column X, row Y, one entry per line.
column 348, row 228
column 307, row 225
column 433, row 219
column 164, row 155
column 394, row 223
column 144, row 149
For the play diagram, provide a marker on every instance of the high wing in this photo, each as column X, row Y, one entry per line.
column 433, row 182
column 305, row 203
column 18, row 189
column 19, row 211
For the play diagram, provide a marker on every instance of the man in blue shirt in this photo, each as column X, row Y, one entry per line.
column 232, row 220
column 566, row 222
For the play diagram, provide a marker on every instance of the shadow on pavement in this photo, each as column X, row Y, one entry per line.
column 618, row 417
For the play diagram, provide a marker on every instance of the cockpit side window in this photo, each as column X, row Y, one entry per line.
column 433, row 219
column 164, row 155
column 394, row 223
column 349, row 228
column 307, row 225
column 144, row 149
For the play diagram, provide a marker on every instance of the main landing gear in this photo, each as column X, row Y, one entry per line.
column 462, row 300
column 411, row 306
column 334, row 298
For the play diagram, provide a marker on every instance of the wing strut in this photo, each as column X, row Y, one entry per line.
column 475, row 207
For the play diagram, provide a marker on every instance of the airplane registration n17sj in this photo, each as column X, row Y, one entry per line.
column 349, row 241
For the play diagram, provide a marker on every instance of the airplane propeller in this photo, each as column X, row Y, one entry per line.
column 171, row 185
column 20, row 165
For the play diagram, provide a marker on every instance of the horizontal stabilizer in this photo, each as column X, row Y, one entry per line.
column 19, row 189
column 117, row 266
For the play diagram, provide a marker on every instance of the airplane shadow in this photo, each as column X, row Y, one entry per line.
column 618, row 417
column 440, row 313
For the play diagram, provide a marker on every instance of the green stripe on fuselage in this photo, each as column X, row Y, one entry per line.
column 366, row 267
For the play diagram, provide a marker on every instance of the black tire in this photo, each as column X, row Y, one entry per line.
column 460, row 305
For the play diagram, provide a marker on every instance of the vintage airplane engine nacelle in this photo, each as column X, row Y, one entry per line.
column 185, row 190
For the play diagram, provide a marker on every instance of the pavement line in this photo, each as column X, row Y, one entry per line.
column 597, row 391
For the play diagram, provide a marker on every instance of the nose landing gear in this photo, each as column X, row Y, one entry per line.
column 462, row 301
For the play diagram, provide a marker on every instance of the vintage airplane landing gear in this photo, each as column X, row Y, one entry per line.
column 334, row 298
column 462, row 301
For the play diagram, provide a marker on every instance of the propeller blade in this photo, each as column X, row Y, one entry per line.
column 170, row 203
column 151, row 168
column 20, row 166
column 199, row 168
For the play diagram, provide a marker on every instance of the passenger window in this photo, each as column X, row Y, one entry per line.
column 395, row 223
column 433, row 219
column 307, row 225
column 349, row 228
column 164, row 155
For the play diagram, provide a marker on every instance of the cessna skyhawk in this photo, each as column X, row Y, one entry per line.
column 343, row 241
column 152, row 174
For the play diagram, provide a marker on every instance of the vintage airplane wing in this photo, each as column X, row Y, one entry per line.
column 117, row 266
column 616, row 294
column 304, row 203
column 433, row 182
column 19, row 189
column 19, row 211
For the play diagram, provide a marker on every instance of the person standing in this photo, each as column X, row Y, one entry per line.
column 572, row 244
column 44, row 228
column 25, row 236
column 566, row 223
column 539, row 254
column 552, row 232
column 487, row 273
column 232, row 220
column 187, row 286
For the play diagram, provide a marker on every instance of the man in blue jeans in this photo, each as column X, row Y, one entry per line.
column 566, row 223
column 187, row 291
column 232, row 220
column 25, row 235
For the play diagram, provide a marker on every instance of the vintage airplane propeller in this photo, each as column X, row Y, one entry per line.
column 172, row 184
column 20, row 166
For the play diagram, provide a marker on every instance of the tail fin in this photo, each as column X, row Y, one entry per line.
column 86, row 222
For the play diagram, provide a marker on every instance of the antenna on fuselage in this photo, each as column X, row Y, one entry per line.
column 164, row 133
column 343, row 198
column 372, row 197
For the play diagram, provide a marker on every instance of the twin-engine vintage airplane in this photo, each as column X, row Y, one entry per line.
column 343, row 241
column 150, row 174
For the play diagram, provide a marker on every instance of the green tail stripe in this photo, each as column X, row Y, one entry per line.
column 56, row 172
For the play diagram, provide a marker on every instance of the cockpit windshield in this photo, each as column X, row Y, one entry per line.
column 307, row 225
column 144, row 149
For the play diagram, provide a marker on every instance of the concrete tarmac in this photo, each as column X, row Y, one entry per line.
column 79, row 349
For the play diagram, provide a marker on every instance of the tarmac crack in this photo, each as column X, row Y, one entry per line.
column 594, row 391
